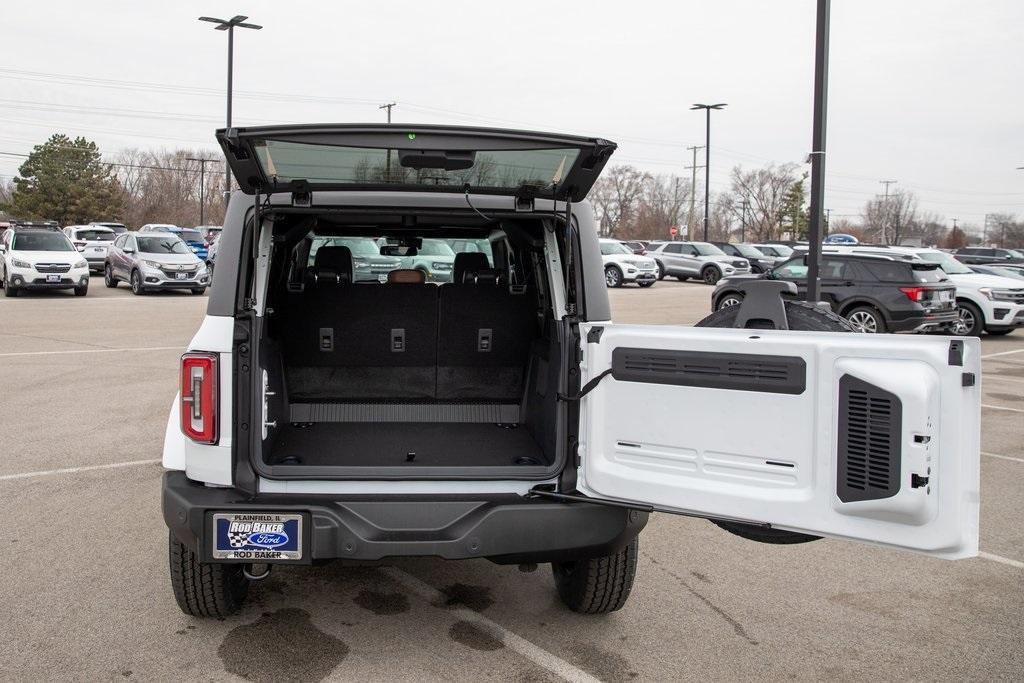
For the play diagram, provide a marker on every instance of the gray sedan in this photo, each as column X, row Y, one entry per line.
column 154, row 261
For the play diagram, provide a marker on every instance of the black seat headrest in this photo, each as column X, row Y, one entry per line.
column 468, row 262
column 332, row 265
column 485, row 276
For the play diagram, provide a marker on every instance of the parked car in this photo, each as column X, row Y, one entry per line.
column 369, row 265
column 1000, row 271
column 985, row 302
column 702, row 260
column 622, row 265
column 33, row 258
column 35, row 225
column 191, row 237
column 211, row 255
column 758, row 261
column 636, row 246
column 154, row 260
column 118, row 228
column 876, row 293
column 92, row 241
column 840, row 238
column 780, row 253
column 433, row 257
column 983, row 255
column 341, row 420
column 209, row 232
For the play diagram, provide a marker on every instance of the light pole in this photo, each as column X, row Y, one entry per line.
column 229, row 26
column 202, row 186
column 818, row 126
column 707, row 160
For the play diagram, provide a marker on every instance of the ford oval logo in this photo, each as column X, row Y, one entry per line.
column 264, row 540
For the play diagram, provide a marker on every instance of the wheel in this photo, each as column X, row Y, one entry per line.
column 710, row 275
column 108, row 277
column 81, row 291
column 756, row 270
column 999, row 331
column 205, row 589
column 10, row 290
column 731, row 299
column 199, row 291
column 661, row 270
column 682, row 278
column 613, row 276
column 866, row 319
column 800, row 316
column 597, row 585
column 646, row 284
column 136, row 282
column 970, row 320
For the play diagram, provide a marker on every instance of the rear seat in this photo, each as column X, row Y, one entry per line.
column 406, row 339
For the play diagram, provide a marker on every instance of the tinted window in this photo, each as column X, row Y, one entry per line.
column 705, row 249
column 835, row 269
column 673, row 249
column 191, row 235
column 95, row 235
column 889, row 271
column 792, row 270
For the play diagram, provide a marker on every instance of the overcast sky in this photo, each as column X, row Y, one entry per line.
column 925, row 92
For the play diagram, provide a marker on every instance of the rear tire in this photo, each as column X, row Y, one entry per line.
column 731, row 299
column 800, row 316
column 866, row 319
column 661, row 270
column 205, row 589
column 597, row 585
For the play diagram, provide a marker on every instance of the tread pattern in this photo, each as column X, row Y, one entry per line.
column 801, row 315
column 598, row 585
column 205, row 589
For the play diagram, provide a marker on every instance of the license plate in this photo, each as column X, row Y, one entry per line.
column 257, row 536
column 945, row 296
column 53, row 278
column 382, row 278
column 181, row 276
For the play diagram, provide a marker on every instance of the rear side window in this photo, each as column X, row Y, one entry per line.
column 889, row 271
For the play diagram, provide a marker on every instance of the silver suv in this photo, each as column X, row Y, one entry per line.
column 152, row 261
column 702, row 260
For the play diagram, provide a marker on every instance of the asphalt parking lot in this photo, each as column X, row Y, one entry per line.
column 86, row 388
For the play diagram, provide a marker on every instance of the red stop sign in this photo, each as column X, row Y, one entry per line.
column 673, row 231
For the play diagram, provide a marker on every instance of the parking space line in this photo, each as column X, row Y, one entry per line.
column 534, row 653
column 75, row 470
column 1001, row 353
column 1003, row 560
column 1011, row 410
column 61, row 353
column 1003, row 457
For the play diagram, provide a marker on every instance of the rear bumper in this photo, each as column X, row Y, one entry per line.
column 502, row 528
column 923, row 322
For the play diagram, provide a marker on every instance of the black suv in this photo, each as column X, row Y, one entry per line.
column 759, row 261
column 973, row 255
column 875, row 293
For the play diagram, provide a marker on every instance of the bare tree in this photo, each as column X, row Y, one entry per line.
column 889, row 219
column 766, row 191
column 164, row 187
column 617, row 197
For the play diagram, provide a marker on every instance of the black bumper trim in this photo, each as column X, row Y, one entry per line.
column 504, row 528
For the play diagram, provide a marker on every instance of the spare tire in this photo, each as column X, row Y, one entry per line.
column 800, row 316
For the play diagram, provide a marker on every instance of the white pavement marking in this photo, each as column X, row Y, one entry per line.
column 1001, row 353
column 1012, row 410
column 999, row 558
column 75, row 470
column 535, row 654
column 1003, row 457
column 62, row 353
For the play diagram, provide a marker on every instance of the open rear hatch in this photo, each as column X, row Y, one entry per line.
column 419, row 158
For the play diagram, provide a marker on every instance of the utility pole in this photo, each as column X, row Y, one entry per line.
column 693, row 191
column 828, row 221
column 743, row 221
column 388, row 107
column 820, row 117
column 202, row 186
column 885, row 215
column 387, row 163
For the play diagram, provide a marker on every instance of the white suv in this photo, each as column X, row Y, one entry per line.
column 41, row 259
column 621, row 265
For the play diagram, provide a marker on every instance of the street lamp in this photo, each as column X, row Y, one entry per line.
column 229, row 26
column 707, row 160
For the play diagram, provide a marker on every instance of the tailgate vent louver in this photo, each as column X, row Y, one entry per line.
column 870, row 425
column 737, row 371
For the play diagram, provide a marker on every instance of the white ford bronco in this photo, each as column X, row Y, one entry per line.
column 324, row 415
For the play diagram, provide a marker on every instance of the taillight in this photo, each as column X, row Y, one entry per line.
column 915, row 293
column 199, row 397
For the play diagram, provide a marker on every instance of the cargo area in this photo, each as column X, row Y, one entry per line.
column 445, row 371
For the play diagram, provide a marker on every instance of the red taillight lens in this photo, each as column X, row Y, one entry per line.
column 915, row 293
column 199, row 397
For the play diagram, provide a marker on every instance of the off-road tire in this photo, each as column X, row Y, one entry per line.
column 205, row 589
column 710, row 275
column 803, row 316
column 108, row 277
column 597, row 585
